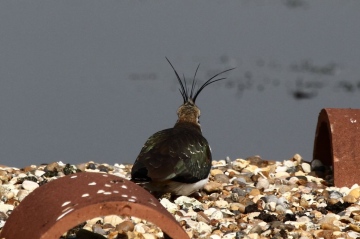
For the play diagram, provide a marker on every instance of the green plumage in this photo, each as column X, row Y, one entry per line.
column 178, row 154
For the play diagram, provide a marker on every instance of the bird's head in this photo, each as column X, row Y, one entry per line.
column 188, row 111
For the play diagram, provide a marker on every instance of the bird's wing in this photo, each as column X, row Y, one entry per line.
column 173, row 154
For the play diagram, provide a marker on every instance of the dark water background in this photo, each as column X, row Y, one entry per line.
column 88, row 80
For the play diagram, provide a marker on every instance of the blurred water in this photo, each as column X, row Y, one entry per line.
column 84, row 81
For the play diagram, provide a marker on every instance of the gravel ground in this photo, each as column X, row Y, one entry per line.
column 245, row 198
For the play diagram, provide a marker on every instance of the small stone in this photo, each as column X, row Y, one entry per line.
column 201, row 217
column 230, row 235
column 215, row 172
column 354, row 227
column 271, row 198
column 218, row 163
column 149, row 236
column 271, row 206
column 240, row 192
column 258, row 161
column 203, row 228
column 221, row 178
column 355, row 213
column 335, row 194
column 349, row 199
column 254, row 192
column 140, row 227
column 213, row 196
column 3, row 216
column 29, row 185
column 171, row 207
column 355, row 193
column 235, row 206
column 250, row 169
column 256, row 229
column 10, row 195
column 282, row 175
column 297, row 158
column 29, row 168
column 306, row 167
column 221, row 204
column 81, row 166
column 316, row 164
column 136, row 220
column 125, row 226
column 98, row 229
column 293, row 180
column 289, row 163
column 303, row 219
column 103, row 168
column 22, row 194
column 328, row 219
column 39, row 173
column 4, row 208
column 280, row 209
column 113, row 219
column 52, row 167
column 113, row 235
column 304, row 203
column 281, row 169
column 240, row 164
column 262, row 183
column 217, row 215
column 95, row 220
column 215, row 237
column 328, row 226
column 213, row 187
column 187, row 202
column 354, row 234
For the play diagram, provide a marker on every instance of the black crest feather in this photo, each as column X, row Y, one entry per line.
column 184, row 91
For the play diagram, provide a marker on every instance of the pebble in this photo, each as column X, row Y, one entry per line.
column 171, row 207
column 328, row 226
column 213, row 187
column 349, row 199
column 4, row 208
column 98, row 229
column 306, row 167
column 202, row 217
column 221, row 204
column 215, row 172
column 113, row 219
column 262, row 183
column 254, row 192
column 203, row 228
column 221, row 178
column 187, row 202
column 140, row 227
column 149, row 236
column 22, row 194
column 354, row 227
column 282, row 175
column 217, row 215
column 29, row 185
column 39, row 173
column 125, row 226
column 355, row 193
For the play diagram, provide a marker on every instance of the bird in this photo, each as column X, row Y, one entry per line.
column 177, row 160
